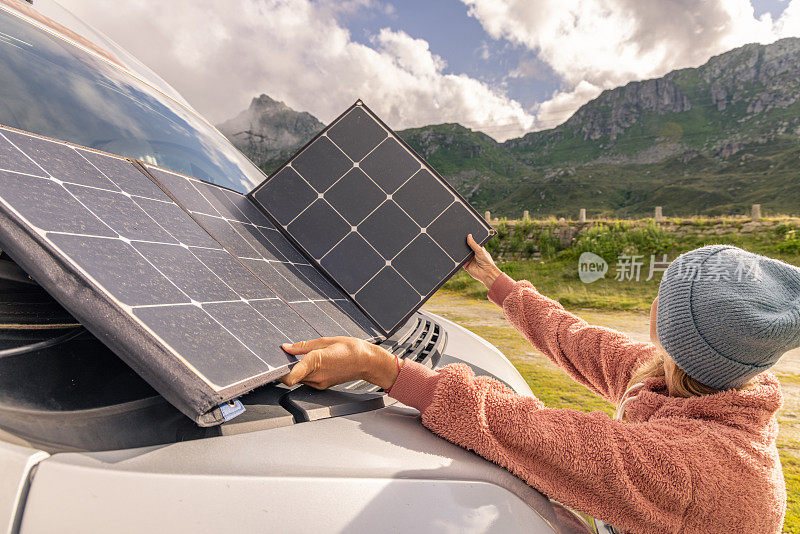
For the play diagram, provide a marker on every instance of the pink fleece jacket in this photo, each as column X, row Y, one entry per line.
column 700, row 464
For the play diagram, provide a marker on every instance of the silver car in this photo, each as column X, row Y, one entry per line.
column 87, row 446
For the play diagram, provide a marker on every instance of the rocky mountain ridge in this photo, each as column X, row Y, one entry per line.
column 269, row 130
column 711, row 139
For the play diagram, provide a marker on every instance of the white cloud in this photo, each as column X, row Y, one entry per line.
column 221, row 54
column 599, row 44
column 563, row 104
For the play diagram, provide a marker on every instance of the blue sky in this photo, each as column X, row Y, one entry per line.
column 461, row 42
column 505, row 67
column 467, row 48
column 774, row 7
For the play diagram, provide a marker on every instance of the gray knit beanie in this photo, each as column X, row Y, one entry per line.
column 726, row 315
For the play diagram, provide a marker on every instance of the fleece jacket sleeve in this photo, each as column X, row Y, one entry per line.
column 628, row 476
column 600, row 358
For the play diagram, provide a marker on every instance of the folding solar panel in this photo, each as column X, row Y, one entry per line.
column 372, row 215
column 196, row 286
column 189, row 283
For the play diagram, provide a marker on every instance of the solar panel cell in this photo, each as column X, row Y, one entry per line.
column 303, row 284
column 242, row 281
column 449, row 229
column 227, row 235
column 423, row 275
column 390, row 165
column 339, row 262
column 285, row 319
column 178, row 222
column 282, row 245
column 318, row 228
column 119, row 268
column 188, row 273
column 267, row 273
column 321, row 164
column 357, row 134
column 321, row 320
column 183, row 190
column 260, row 244
column 124, row 175
column 12, row 159
column 217, row 198
column 355, row 315
column 121, row 213
column 215, row 352
column 247, row 324
column 388, row 298
column 388, row 229
column 355, row 196
column 252, row 213
column 324, row 287
column 60, row 161
column 336, row 311
column 423, row 198
column 286, row 195
column 48, row 206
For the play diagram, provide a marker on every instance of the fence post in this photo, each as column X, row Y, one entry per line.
column 755, row 214
column 488, row 216
column 659, row 215
column 526, row 215
column 582, row 216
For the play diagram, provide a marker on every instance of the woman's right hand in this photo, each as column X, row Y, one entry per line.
column 481, row 266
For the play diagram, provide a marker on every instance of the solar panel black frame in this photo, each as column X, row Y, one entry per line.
column 106, row 314
column 313, row 197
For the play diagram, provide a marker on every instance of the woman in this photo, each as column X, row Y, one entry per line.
column 693, row 447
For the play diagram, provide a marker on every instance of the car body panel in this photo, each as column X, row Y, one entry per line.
column 16, row 465
column 376, row 470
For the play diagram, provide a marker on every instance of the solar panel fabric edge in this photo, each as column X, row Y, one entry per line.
column 391, row 134
column 93, row 305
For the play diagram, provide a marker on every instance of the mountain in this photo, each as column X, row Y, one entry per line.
column 269, row 132
column 479, row 167
column 747, row 95
column 708, row 140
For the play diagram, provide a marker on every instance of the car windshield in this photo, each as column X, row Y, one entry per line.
column 53, row 88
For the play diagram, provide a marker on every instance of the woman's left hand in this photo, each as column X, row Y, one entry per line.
column 329, row 361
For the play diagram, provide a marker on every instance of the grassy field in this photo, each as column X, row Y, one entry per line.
column 555, row 273
column 620, row 304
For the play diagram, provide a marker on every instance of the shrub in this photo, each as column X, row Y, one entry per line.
column 790, row 243
column 613, row 239
column 547, row 242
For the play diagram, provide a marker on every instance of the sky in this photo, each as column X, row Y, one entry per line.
column 505, row 67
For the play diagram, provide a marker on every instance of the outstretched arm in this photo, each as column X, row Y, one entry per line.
column 600, row 358
column 628, row 475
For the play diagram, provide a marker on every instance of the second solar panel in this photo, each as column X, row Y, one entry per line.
column 374, row 216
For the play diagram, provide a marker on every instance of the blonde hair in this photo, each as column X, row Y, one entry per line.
column 683, row 385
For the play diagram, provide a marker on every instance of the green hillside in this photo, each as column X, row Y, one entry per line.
column 708, row 140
